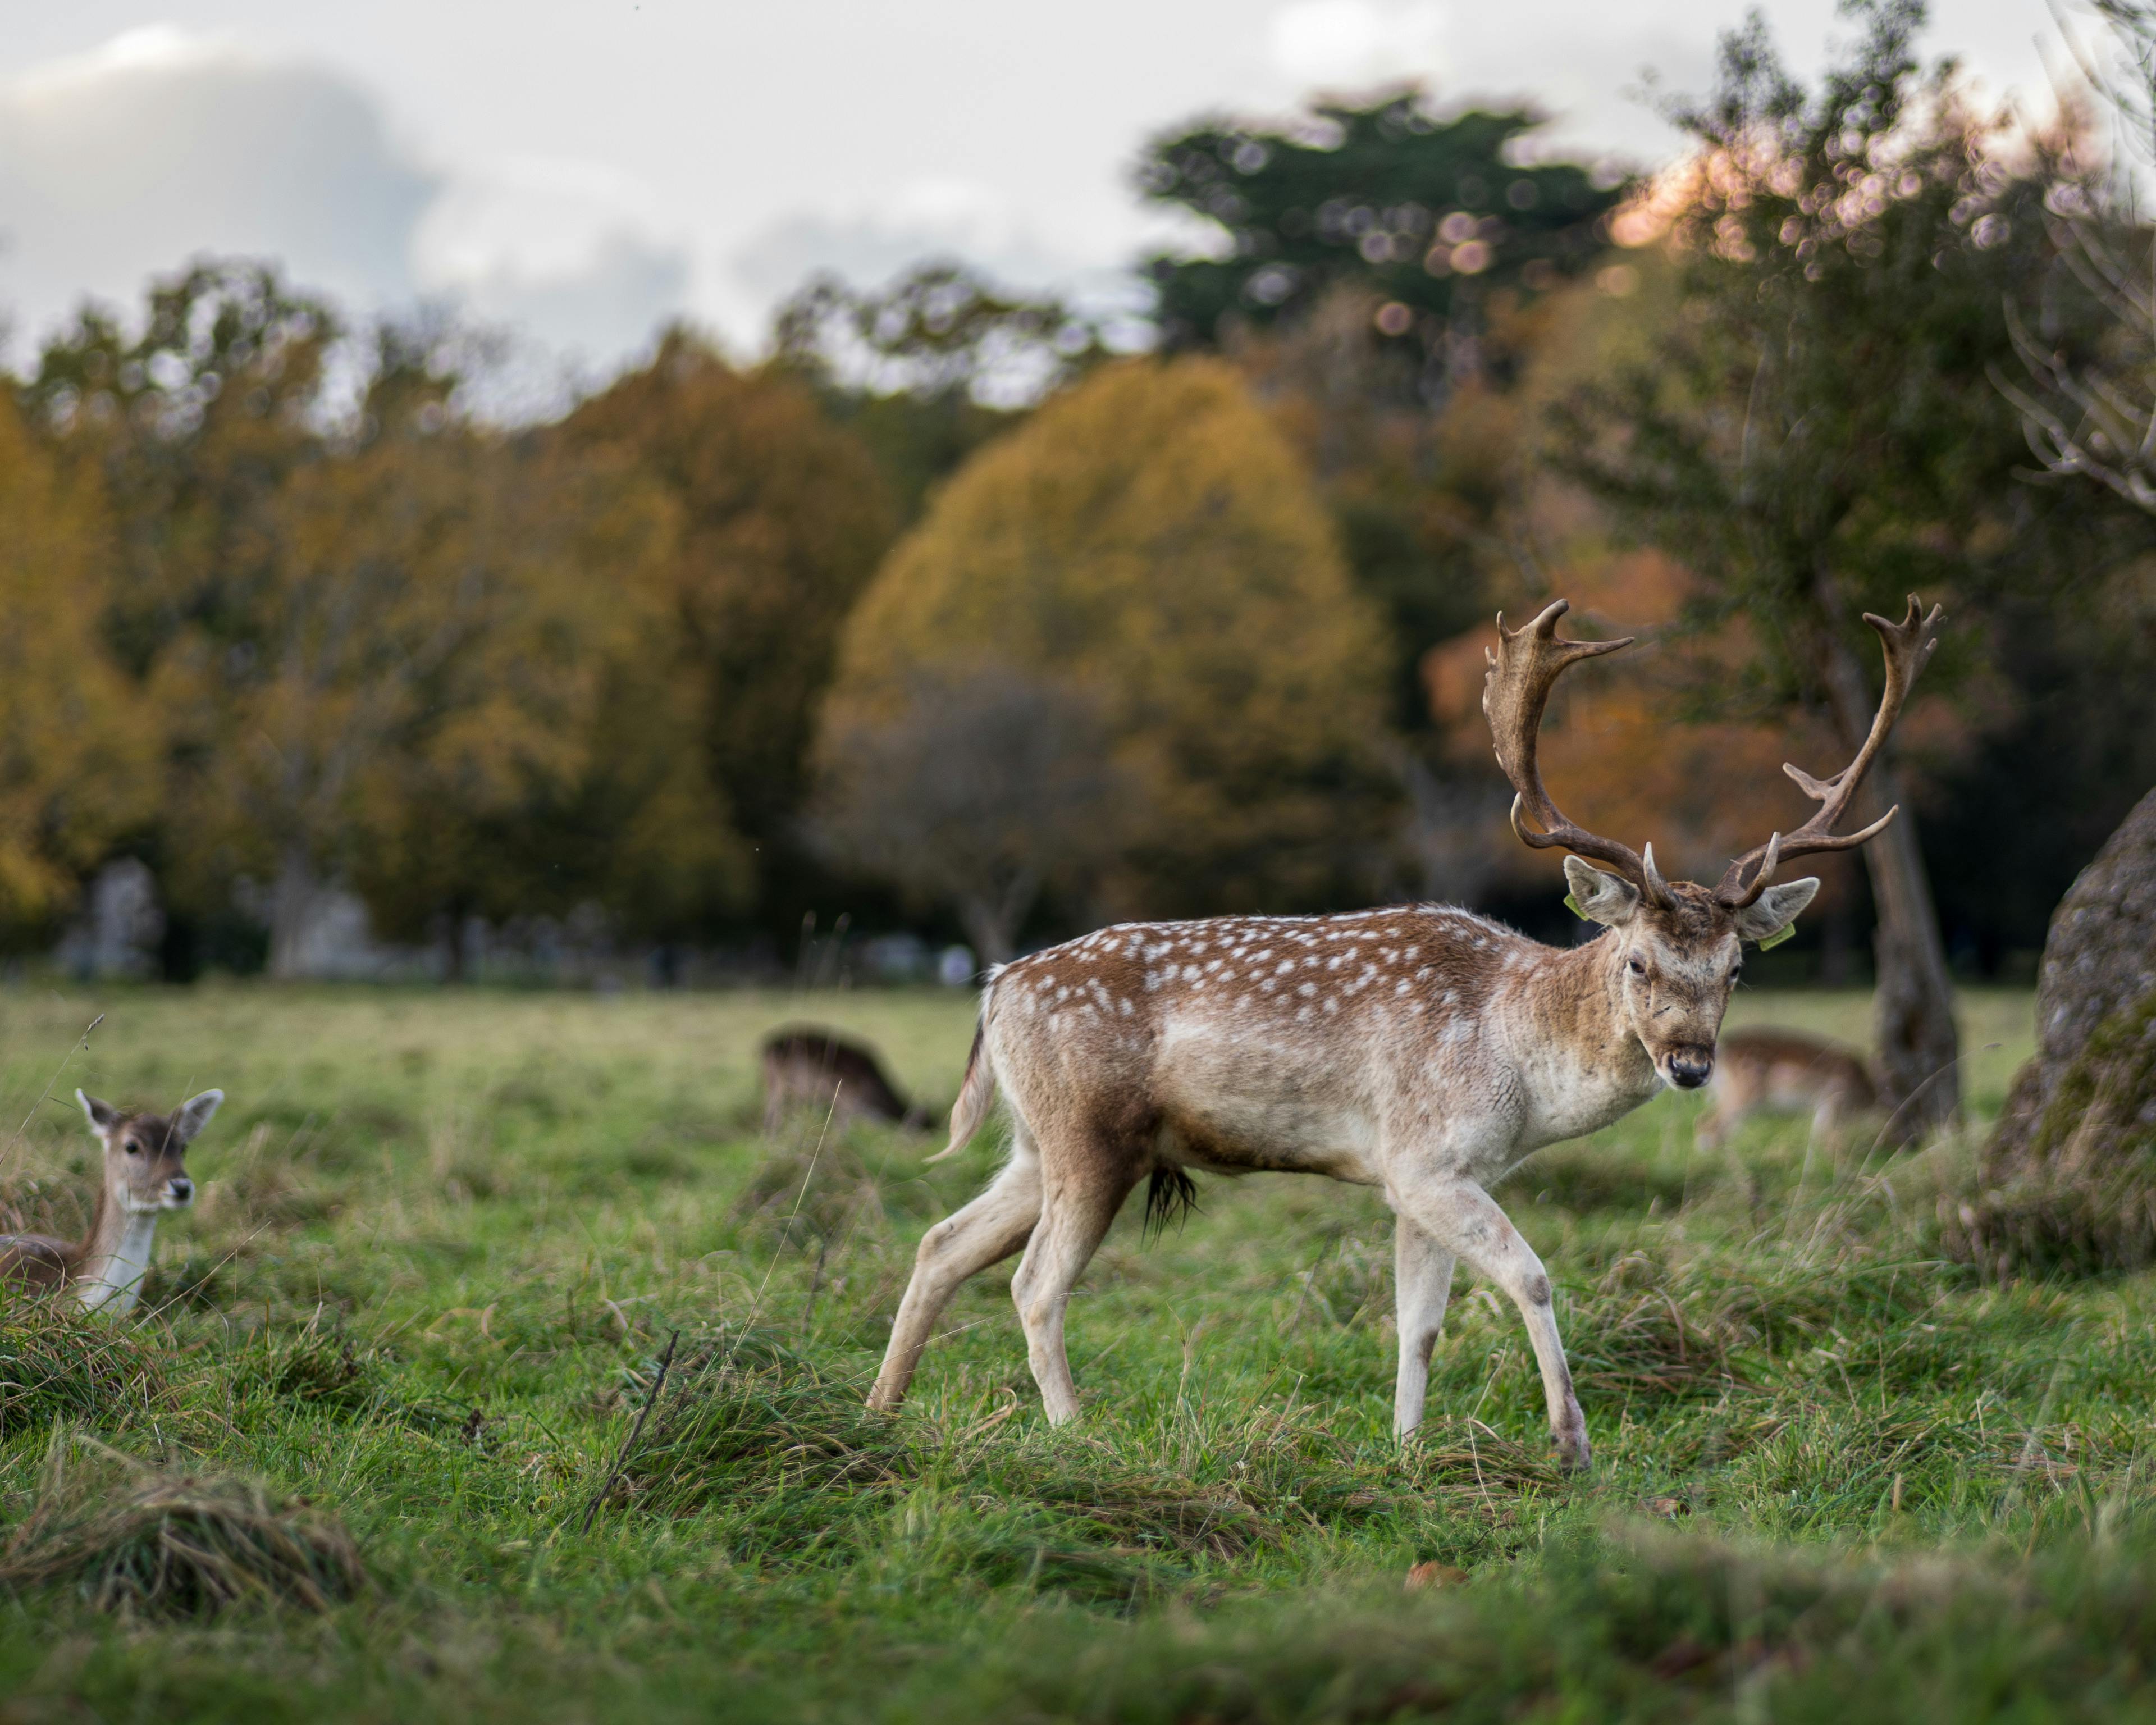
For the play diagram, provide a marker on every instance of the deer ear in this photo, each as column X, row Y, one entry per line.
column 194, row 1115
column 1599, row 897
column 1778, row 908
column 103, row 1116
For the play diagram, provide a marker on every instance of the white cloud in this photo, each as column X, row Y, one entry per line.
column 159, row 147
column 121, row 164
column 938, row 218
column 1346, row 44
column 577, row 257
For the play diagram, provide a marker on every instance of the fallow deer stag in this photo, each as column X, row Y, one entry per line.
column 145, row 1174
column 1419, row 1050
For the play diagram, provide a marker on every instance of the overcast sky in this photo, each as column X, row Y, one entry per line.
column 583, row 169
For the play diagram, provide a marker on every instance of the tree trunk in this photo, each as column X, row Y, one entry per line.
column 990, row 928
column 292, row 902
column 456, row 945
column 1919, row 1046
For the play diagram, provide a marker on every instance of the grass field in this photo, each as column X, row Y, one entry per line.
column 442, row 1239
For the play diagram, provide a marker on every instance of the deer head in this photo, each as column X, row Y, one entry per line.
column 1678, row 944
column 145, row 1154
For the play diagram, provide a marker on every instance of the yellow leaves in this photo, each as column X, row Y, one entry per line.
column 1151, row 541
column 76, row 746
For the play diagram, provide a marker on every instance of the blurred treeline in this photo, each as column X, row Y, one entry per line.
column 1191, row 631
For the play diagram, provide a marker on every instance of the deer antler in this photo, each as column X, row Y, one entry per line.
column 1908, row 645
column 1523, row 669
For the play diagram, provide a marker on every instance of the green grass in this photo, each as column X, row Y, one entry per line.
column 442, row 1240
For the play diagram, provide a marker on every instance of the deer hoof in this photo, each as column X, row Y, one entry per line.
column 1573, row 1454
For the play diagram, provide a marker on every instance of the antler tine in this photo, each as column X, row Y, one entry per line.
column 1524, row 666
column 1909, row 646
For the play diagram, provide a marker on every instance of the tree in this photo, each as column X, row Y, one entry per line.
column 781, row 518
column 2092, row 413
column 428, row 640
column 1384, row 275
column 192, row 425
column 77, row 748
column 985, row 792
column 387, row 645
column 189, row 427
column 1816, row 435
column 540, row 757
column 1427, row 217
column 938, row 330
column 1149, row 542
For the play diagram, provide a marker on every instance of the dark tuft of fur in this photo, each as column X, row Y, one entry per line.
column 1171, row 1195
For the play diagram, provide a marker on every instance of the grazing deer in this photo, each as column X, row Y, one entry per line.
column 1419, row 1050
column 1784, row 1069
column 808, row 1067
column 145, row 1175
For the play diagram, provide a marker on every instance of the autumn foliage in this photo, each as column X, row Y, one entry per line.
column 1150, row 543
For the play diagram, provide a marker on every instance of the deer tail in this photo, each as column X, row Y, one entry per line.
column 978, row 1094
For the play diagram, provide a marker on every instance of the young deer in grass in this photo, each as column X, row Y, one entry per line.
column 1784, row 1069
column 808, row 1068
column 145, row 1174
column 1420, row 1051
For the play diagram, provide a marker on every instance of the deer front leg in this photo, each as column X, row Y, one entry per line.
column 1422, row 1282
column 1461, row 1218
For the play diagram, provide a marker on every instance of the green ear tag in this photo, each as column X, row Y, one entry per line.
column 1572, row 905
column 1778, row 936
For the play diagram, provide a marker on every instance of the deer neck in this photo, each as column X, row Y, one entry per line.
column 108, row 1274
column 1583, row 1066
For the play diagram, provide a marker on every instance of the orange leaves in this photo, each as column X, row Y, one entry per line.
column 1613, row 756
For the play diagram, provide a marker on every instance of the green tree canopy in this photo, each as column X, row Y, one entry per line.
column 1429, row 216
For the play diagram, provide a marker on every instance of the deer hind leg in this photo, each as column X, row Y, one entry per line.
column 1085, row 1186
column 1463, row 1219
column 1422, row 1282
column 963, row 1244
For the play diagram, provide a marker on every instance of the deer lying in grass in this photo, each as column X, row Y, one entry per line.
column 1784, row 1069
column 145, row 1174
column 807, row 1067
column 1419, row 1050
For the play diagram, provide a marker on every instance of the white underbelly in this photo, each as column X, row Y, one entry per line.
column 1225, row 1139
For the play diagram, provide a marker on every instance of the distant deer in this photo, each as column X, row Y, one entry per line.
column 809, row 1067
column 1419, row 1050
column 145, row 1174
column 1784, row 1069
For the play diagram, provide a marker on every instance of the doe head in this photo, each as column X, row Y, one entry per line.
column 145, row 1154
column 1679, row 951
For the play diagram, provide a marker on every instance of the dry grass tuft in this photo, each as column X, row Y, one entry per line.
column 172, row 1545
column 745, row 1418
column 58, row 1361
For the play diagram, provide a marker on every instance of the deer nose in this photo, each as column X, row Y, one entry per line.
column 1688, row 1071
column 182, row 1189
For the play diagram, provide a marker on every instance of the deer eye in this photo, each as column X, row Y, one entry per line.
column 132, row 1147
column 1637, row 966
